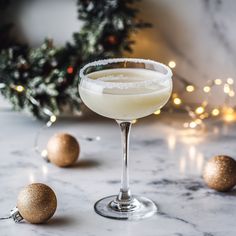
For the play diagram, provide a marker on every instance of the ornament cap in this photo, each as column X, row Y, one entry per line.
column 15, row 215
column 46, row 159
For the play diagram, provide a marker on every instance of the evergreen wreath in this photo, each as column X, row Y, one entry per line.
column 42, row 80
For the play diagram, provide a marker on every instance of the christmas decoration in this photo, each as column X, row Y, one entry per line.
column 63, row 150
column 36, row 203
column 199, row 112
column 43, row 80
column 203, row 110
column 220, row 173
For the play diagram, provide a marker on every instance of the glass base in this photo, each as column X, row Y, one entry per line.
column 135, row 209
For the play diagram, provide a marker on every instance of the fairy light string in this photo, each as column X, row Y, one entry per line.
column 203, row 110
column 197, row 113
column 52, row 118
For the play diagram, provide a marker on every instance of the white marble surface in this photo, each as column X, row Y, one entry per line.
column 166, row 163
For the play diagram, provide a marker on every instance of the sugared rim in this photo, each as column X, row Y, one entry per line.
column 115, row 60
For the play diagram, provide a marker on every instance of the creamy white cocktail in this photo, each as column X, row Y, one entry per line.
column 125, row 93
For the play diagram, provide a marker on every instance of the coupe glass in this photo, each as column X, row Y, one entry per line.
column 125, row 89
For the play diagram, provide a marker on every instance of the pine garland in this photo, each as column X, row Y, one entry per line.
column 42, row 80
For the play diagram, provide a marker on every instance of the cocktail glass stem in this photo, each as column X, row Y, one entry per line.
column 125, row 206
column 124, row 199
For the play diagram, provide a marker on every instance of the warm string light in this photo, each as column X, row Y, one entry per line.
column 199, row 110
column 231, row 93
column 190, row 88
column 229, row 114
column 172, row 64
column 53, row 118
column 19, row 88
column 192, row 124
column 206, row 89
column 46, row 111
column 230, row 81
column 226, row 88
column 218, row 81
column 44, row 153
column 215, row 112
column 177, row 101
column 158, row 112
column 203, row 111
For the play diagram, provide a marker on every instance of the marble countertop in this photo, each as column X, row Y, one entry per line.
column 166, row 165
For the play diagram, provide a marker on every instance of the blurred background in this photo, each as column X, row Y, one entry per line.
column 195, row 38
column 198, row 35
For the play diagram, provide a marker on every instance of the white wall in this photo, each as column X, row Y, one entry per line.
column 38, row 19
column 198, row 34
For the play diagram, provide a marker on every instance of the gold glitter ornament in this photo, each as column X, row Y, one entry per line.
column 63, row 149
column 37, row 203
column 220, row 173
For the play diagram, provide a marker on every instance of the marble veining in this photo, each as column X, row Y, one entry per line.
column 198, row 35
column 166, row 164
column 220, row 29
